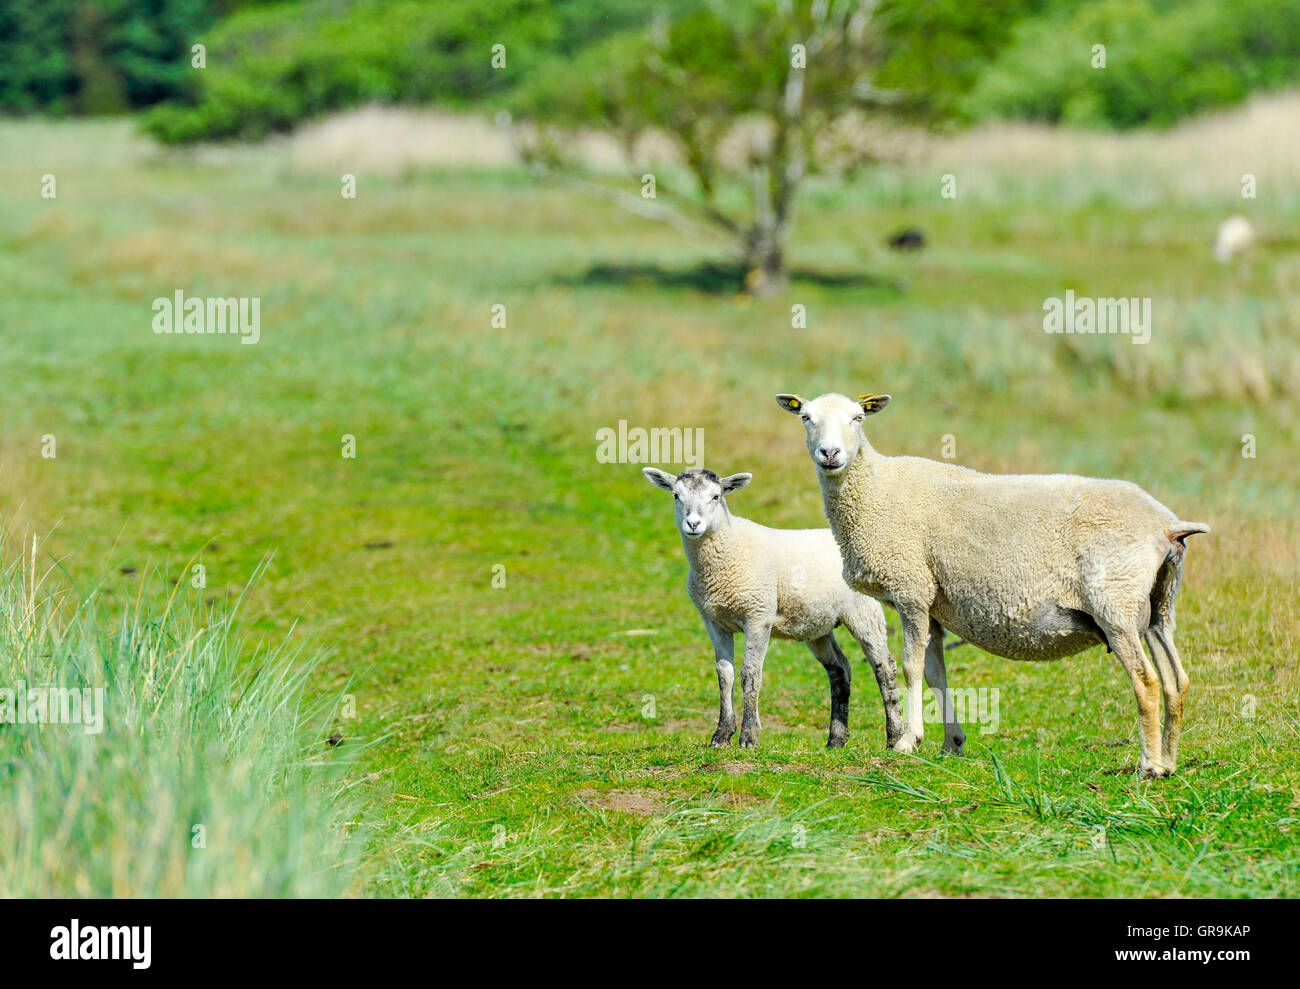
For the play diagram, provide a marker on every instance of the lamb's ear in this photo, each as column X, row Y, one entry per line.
column 735, row 482
column 791, row 403
column 871, row 404
column 659, row 478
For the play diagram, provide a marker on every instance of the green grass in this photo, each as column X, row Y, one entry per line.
column 503, row 727
column 182, row 765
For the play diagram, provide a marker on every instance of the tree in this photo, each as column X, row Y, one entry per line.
column 792, row 69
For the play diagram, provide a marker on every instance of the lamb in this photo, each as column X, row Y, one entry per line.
column 1033, row 567
column 761, row 582
column 1236, row 237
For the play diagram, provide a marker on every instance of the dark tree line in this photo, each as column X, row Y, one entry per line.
column 97, row 56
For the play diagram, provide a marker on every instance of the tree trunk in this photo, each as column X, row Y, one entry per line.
column 765, row 272
column 777, row 173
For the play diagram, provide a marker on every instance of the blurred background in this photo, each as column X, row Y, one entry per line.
column 482, row 232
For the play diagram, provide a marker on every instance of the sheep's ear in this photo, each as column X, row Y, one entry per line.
column 659, row 478
column 791, row 403
column 735, row 482
column 871, row 404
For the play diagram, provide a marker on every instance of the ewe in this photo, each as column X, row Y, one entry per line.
column 762, row 582
column 1034, row 566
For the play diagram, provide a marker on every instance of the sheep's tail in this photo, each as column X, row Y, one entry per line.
column 1179, row 531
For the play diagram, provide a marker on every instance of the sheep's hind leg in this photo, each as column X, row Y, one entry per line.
column 875, row 646
column 936, row 675
column 724, row 644
column 1146, row 687
column 1160, row 640
column 840, row 674
column 1174, row 683
column 751, row 682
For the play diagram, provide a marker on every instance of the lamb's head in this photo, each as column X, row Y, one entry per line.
column 832, row 425
column 699, row 497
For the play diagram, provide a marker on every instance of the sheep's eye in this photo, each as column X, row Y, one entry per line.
column 806, row 418
column 715, row 497
column 858, row 418
column 676, row 496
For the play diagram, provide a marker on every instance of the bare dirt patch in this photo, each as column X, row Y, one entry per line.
column 625, row 801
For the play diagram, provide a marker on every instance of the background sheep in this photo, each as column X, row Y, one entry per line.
column 1023, row 566
column 1236, row 236
column 747, row 578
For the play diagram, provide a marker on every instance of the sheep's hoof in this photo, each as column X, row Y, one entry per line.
column 720, row 740
column 836, row 741
column 748, row 741
column 1157, row 772
column 907, row 744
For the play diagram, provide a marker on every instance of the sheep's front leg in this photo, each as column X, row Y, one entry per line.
column 751, row 680
column 916, row 637
column 936, row 675
column 724, row 645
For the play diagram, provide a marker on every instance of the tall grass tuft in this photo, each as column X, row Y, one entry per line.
column 209, row 775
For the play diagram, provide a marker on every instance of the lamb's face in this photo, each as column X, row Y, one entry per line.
column 832, row 426
column 699, row 497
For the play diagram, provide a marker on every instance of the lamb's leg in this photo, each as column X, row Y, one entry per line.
column 1146, row 686
column 751, row 681
column 875, row 646
column 936, row 675
column 839, row 673
column 1174, row 682
column 916, row 636
column 724, row 645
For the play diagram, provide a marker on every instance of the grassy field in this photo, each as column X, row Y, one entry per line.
column 507, row 747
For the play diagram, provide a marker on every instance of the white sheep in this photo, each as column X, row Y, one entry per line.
column 1236, row 237
column 1036, row 566
column 747, row 578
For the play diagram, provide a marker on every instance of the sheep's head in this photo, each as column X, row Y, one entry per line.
column 699, row 497
column 832, row 426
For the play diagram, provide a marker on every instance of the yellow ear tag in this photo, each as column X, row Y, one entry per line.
column 794, row 403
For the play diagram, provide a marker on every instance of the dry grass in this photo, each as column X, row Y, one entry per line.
column 1203, row 159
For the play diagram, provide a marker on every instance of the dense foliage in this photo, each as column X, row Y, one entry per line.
column 274, row 63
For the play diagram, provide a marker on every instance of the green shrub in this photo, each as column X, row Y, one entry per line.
column 270, row 68
column 1164, row 61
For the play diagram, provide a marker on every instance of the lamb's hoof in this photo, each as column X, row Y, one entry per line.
column 907, row 744
column 721, row 741
column 836, row 741
column 748, row 741
column 1158, row 771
